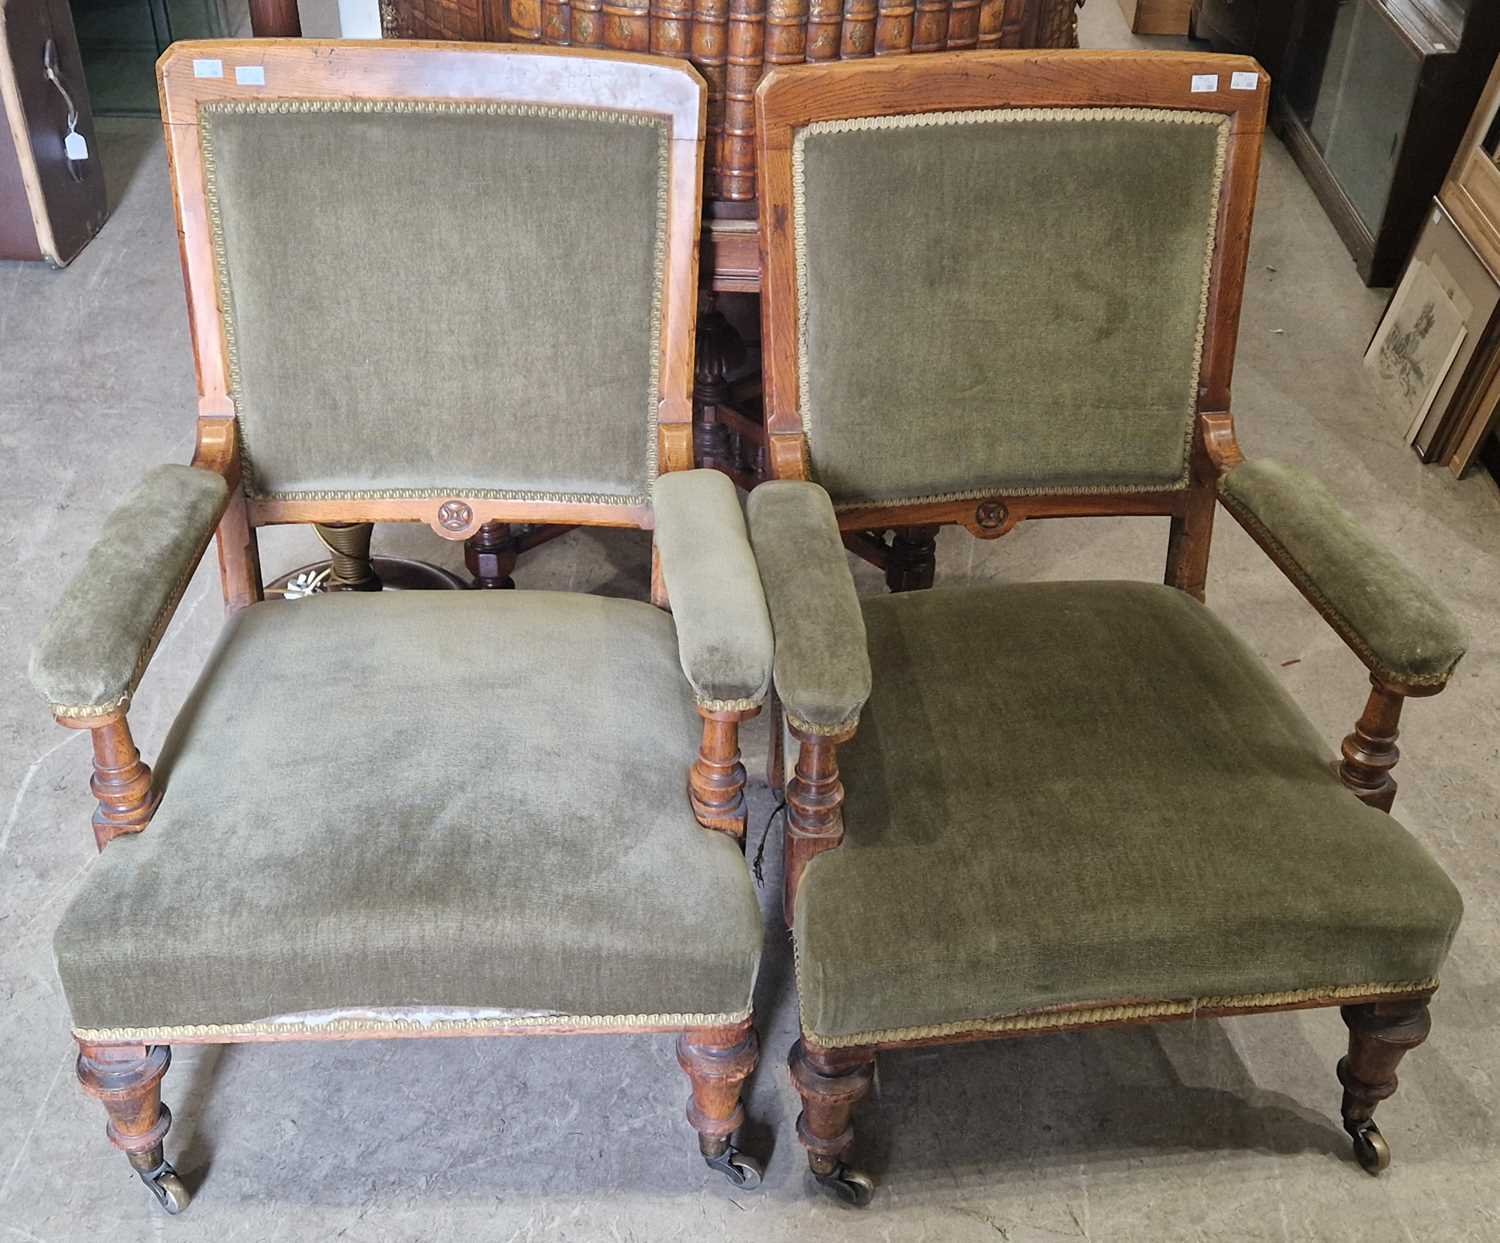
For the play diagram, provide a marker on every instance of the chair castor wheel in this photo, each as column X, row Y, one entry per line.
column 169, row 1190
column 743, row 1171
column 1370, row 1148
column 852, row 1187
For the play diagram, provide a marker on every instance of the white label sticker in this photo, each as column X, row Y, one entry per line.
column 250, row 75
column 1243, row 81
column 1205, row 82
column 208, row 68
column 75, row 146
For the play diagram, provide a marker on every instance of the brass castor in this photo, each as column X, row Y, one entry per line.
column 168, row 1189
column 740, row 1169
column 848, row 1186
column 1370, row 1148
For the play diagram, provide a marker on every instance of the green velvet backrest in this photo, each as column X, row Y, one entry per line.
column 1005, row 301
column 439, row 299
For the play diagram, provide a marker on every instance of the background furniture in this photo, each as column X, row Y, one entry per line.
column 51, row 193
column 1371, row 97
column 472, row 880
column 1029, row 807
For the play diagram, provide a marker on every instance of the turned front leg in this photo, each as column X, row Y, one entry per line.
column 716, row 782
column 814, row 808
column 718, row 1061
column 126, row 1080
column 1380, row 1035
column 831, row 1082
column 121, row 781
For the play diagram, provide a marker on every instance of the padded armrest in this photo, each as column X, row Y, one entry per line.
column 822, row 661
column 723, row 631
column 98, row 639
column 1392, row 620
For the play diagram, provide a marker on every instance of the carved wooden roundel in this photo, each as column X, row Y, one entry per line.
column 989, row 514
column 454, row 516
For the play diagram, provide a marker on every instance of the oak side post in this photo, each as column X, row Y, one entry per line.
column 1370, row 752
column 121, row 781
column 1380, row 1035
column 716, row 781
column 814, row 808
column 275, row 19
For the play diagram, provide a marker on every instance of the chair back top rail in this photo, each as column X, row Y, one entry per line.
column 212, row 85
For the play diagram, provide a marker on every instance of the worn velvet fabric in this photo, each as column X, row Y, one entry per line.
column 428, row 799
column 96, row 643
column 1004, row 306
column 441, row 298
column 822, row 669
column 1390, row 616
column 723, row 630
column 1089, row 793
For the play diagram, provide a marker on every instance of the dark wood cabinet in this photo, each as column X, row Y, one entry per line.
column 1371, row 97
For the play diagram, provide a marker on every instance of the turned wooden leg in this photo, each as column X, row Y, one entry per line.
column 912, row 563
column 126, row 1080
column 830, row 1083
column 716, row 781
column 720, row 350
column 1380, row 1034
column 490, row 554
column 1370, row 751
column 348, row 545
column 814, row 810
column 121, row 781
column 718, row 1061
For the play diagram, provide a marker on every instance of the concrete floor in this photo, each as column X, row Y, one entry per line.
column 1209, row 1130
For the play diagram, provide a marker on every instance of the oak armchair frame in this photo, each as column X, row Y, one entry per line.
column 126, row 1077
column 832, row 1080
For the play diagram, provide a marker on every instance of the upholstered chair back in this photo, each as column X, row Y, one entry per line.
column 1003, row 301
column 425, row 298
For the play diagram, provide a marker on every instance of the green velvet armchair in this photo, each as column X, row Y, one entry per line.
column 451, row 286
column 1065, row 804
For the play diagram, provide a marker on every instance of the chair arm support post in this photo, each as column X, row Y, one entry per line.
column 814, row 808
column 1370, row 752
column 716, row 781
column 122, row 780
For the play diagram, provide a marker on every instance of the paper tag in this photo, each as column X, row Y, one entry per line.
column 1205, row 82
column 208, row 68
column 1243, row 81
column 75, row 146
column 250, row 75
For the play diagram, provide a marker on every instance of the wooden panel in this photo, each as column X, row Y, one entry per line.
column 1157, row 17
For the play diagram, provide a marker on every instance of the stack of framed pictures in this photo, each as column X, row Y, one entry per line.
column 1436, row 353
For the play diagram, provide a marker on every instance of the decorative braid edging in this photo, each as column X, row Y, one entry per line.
column 731, row 705
column 1047, row 1019
column 1009, row 116
column 1293, row 569
column 825, row 731
column 496, row 108
column 374, row 1027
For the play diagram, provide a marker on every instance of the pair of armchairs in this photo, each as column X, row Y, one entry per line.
column 427, row 814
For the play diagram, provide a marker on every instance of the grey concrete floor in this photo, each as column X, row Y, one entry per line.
column 1207, row 1130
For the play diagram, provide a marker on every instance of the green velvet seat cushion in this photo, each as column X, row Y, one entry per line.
column 1397, row 624
column 418, row 801
column 1086, row 794
column 98, row 639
